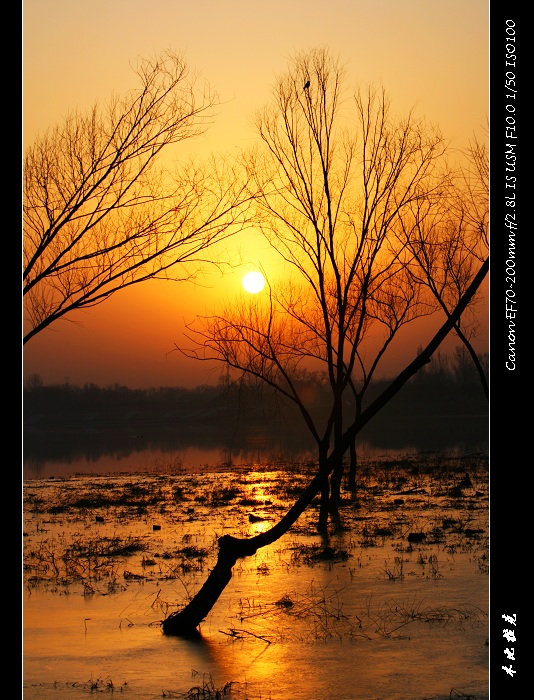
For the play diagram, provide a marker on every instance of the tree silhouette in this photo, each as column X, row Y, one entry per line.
column 339, row 192
column 99, row 215
column 337, row 206
column 449, row 242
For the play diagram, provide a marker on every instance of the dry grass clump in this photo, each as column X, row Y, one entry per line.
column 395, row 615
column 209, row 691
column 83, row 560
column 311, row 554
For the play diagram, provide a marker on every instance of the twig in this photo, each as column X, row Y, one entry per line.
column 235, row 633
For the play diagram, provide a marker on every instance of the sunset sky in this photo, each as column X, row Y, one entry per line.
column 428, row 54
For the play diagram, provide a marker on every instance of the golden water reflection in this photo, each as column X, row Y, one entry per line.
column 292, row 622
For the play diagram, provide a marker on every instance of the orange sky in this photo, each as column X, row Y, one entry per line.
column 428, row 54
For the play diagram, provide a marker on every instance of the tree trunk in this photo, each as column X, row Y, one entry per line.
column 337, row 471
column 184, row 623
column 476, row 361
column 352, row 468
column 322, row 523
column 335, row 488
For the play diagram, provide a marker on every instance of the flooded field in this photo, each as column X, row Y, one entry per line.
column 391, row 605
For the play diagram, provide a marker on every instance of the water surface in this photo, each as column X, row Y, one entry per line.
column 367, row 614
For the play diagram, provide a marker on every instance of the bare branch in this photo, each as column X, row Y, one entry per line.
column 100, row 216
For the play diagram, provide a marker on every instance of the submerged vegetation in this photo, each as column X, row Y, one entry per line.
column 408, row 558
column 96, row 534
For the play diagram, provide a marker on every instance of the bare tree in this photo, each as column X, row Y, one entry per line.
column 99, row 215
column 336, row 191
column 450, row 241
column 336, row 179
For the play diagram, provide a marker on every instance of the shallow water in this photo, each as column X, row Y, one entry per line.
column 379, row 617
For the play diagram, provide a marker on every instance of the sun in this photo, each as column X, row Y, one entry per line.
column 253, row 282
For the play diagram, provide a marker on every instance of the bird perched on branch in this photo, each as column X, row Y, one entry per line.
column 306, row 85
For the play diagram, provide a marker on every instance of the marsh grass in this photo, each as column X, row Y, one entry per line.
column 408, row 521
column 102, row 548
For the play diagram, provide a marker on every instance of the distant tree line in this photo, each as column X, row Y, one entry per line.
column 448, row 385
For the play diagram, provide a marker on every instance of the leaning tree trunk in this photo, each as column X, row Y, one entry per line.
column 185, row 622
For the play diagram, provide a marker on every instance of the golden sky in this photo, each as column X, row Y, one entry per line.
column 428, row 54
